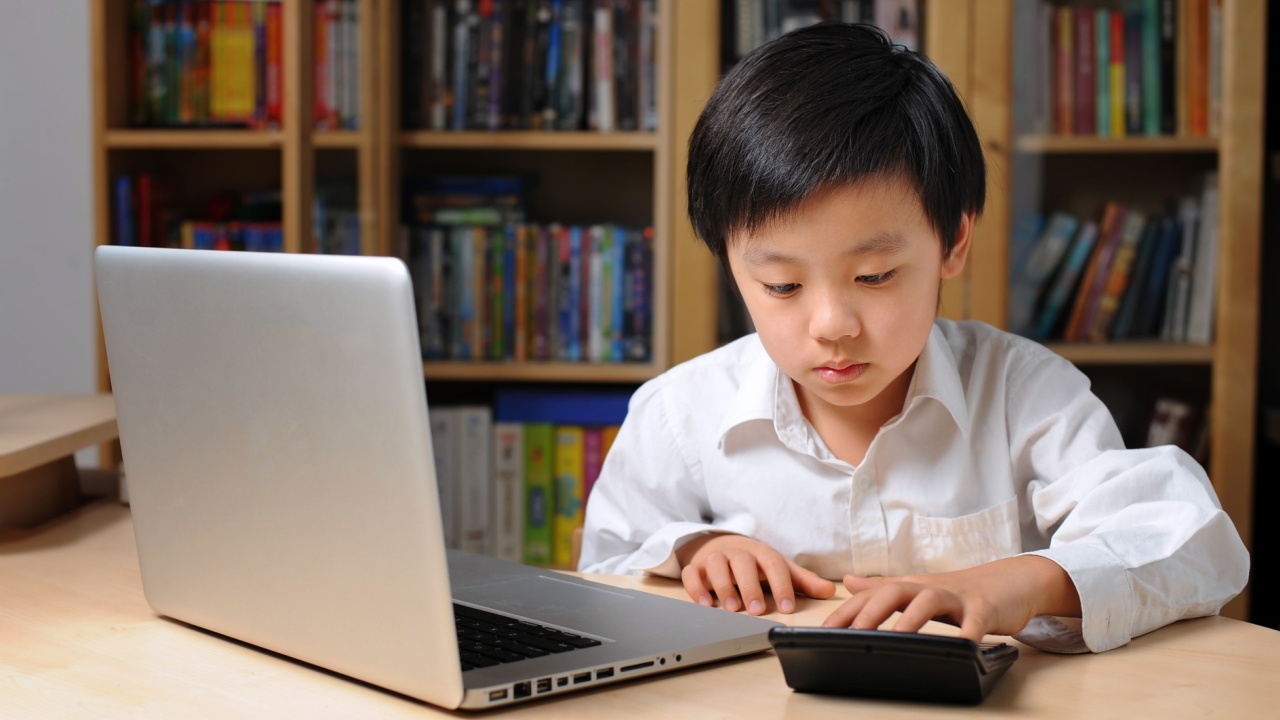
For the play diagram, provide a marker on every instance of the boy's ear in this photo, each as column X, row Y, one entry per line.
column 953, row 263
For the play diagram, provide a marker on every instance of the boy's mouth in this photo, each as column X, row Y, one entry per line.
column 840, row 372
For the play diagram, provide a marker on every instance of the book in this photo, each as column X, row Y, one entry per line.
column 1086, row 96
column 1095, row 273
column 1204, row 279
column 568, row 492
column 508, row 491
column 539, row 492
column 592, row 459
column 1036, row 270
column 1118, row 276
column 445, row 434
column 1065, row 282
column 1174, row 329
column 1151, row 305
column 475, row 478
column 1102, row 71
column 1122, row 327
column 1118, row 96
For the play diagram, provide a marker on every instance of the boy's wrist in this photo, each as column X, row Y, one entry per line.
column 1054, row 592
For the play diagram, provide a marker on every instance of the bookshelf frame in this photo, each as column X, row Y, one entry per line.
column 1238, row 151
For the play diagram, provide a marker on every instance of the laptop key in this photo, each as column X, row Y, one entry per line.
column 577, row 641
column 503, row 655
column 526, row 650
column 478, row 660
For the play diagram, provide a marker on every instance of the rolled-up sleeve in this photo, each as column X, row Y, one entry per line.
column 1140, row 532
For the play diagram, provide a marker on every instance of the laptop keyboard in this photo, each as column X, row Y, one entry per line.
column 486, row 639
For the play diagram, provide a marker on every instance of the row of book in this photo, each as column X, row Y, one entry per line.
column 749, row 24
column 146, row 212
column 1143, row 68
column 530, row 65
column 514, row 478
column 533, row 292
column 1129, row 275
column 219, row 63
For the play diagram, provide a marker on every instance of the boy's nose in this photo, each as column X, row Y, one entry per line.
column 833, row 316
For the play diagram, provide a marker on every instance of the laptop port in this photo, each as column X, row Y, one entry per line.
column 637, row 666
column 562, row 681
column 522, row 690
column 495, row 695
column 581, row 678
column 606, row 673
column 544, row 685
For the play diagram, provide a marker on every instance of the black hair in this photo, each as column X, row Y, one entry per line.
column 824, row 106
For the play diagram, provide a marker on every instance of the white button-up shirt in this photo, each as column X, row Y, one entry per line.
column 1000, row 449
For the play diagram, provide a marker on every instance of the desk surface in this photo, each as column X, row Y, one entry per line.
column 38, row 429
column 77, row 639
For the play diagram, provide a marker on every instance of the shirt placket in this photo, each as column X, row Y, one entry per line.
column 869, row 544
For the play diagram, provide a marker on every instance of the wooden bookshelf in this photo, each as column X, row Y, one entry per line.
column 522, row 140
column 1235, row 154
column 380, row 153
column 1132, row 146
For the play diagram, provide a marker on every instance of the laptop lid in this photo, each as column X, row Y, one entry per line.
column 273, row 420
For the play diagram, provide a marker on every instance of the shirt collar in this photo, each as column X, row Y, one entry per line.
column 766, row 394
column 937, row 376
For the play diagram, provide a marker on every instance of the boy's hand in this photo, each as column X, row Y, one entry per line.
column 733, row 564
column 997, row 598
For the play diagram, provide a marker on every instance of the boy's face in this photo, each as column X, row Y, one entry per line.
column 844, row 291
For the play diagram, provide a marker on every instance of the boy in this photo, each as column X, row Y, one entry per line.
column 947, row 470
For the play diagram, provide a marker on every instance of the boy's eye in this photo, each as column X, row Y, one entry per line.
column 781, row 290
column 878, row 279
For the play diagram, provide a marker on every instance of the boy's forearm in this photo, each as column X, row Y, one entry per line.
column 1053, row 591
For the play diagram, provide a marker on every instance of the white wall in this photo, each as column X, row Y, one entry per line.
column 47, row 324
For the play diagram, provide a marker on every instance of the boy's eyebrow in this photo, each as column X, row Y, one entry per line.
column 886, row 242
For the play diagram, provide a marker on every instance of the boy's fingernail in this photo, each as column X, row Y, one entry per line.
column 788, row 606
column 757, row 607
column 704, row 600
column 731, row 604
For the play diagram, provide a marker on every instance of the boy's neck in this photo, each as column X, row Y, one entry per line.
column 849, row 430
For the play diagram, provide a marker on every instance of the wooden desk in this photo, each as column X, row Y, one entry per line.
column 39, row 435
column 78, row 640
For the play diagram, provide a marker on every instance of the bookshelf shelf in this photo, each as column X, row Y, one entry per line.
column 350, row 139
column 194, row 139
column 1067, row 144
column 520, row 140
column 1134, row 353
column 540, row 371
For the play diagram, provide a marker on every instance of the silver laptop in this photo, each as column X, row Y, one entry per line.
column 273, row 421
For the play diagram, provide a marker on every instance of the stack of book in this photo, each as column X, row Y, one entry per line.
column 1128, row 275
column 748, row 24
column 1137, row 68
column 529, row 64
column 337, row 65
column 514, row 479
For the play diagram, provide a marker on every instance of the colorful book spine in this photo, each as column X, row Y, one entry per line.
column 1086, row 83
column 568, row 492
column 539, row 493
column 1064, row 284
column 1118, row 276
column 592, row 459
column 509, row 501
column 1102, row 71
column 475, row 454
column 1119, row 92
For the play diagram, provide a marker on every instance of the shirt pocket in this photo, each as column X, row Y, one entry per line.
column 945, row 544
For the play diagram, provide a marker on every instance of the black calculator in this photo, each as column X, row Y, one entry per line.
column 890, row 665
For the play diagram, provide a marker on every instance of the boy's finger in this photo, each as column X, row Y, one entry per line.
column 811, row 583
column 778, row 573
column 843, row 616
column 747, row 574
column 880, row 605
column 721, row 579
column 856, row 583
column 923, row 608
column 694, row 584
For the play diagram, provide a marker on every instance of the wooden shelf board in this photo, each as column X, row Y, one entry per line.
column 1134, row 353
column 352, row 139
column 194, row 139
column 530, row 140
column 1065, row 144
column 540, row 371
